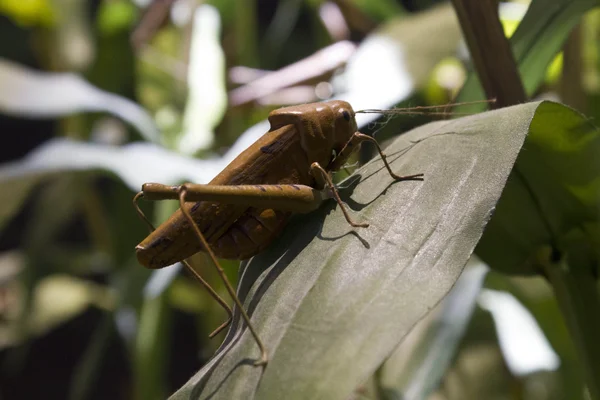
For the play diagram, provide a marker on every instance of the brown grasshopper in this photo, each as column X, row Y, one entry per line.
column 241, row 211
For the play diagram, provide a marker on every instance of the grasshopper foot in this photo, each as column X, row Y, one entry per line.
column 263, row 360
column 416, row 177
column 220, row 328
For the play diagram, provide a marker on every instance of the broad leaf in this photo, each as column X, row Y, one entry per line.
column 332, row 303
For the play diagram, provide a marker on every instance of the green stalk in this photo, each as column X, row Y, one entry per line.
column 575, row 289
column 491, row 52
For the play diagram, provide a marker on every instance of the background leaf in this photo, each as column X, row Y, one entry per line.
column 134, row 164
column 42, row 95
column 207, row 96
column 416, row 368
column 551, row 196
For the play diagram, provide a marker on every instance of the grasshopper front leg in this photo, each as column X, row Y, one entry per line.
column 352, row 145
column 324, row 180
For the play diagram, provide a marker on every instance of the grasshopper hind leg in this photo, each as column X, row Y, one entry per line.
column 182, row 199
column 191, row 269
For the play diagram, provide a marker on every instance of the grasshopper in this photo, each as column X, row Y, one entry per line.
column 244, row 208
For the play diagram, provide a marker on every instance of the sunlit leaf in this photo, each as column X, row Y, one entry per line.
column 28, row 12
column 207, row 96
column 42, row 95
column 416, row 368
column 114, row 16
column 134, row 164
column 525, row 348
column 59, row 298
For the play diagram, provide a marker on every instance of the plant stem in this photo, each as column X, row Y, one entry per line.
column 246, row 33
column 571, row 85
column 577, row 296
column 490, row 51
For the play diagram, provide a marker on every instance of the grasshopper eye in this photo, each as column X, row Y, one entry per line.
column 346, row 115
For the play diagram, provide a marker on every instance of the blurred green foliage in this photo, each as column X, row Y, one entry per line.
column 80, row 319
column 29, row 12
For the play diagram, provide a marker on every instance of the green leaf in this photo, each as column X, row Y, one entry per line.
column 379, row 9
column 542, row 33
column 151, row 349
column 134, row 164
column 207, row 95
column 29, row 13
column 416, row 368
column 116, row 16
column 88, row 367
column 332, row 303
column 547, row 222
column 552, row 195
column 42, row 95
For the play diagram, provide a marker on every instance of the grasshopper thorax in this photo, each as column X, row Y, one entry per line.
column 324, row 128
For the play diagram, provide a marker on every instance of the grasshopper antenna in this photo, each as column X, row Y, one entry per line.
column 425, row 110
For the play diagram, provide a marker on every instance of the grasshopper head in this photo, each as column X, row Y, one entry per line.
column 325, row 127
column 344, row 124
